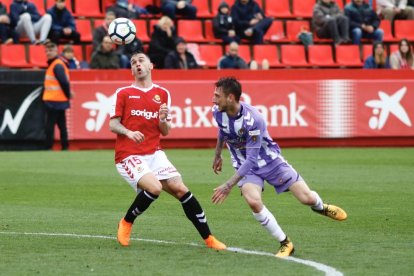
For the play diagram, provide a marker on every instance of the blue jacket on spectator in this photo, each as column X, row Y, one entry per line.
column 61, row 19
column 371, row 64
column 242, row 14
column 361, row 15
column 19, row 7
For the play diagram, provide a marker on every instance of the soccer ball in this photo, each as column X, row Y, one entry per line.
column 122, row 31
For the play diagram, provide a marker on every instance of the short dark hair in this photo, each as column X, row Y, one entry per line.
column 140, row 52
column 230, row 85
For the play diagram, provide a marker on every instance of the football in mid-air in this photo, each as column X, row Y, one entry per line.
column 122, row 31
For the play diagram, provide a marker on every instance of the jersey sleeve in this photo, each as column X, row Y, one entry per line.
column 117, row 106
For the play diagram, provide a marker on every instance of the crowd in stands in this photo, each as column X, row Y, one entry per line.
column 222, row 34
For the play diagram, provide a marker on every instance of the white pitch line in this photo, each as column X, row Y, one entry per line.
column 329, row 271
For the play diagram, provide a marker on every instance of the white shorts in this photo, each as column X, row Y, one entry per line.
column 134, row 167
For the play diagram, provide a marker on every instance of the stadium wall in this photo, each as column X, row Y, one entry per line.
column 302, row 107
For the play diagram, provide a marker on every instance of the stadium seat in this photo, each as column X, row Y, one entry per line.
column 404, row 29
column 142, row 30
column 97, row 23
column 13, row 55
column 210, row 54
column 84, row 28
column 340, row 4
column 293, row 56
column 385, row 25
column 269, row 52
column 203, row 9
column 37, row 56
column 88, row 52
column 51, row 3
column 321, row 56
column 279, row 8
column 88, row 8
column 7, row 3
column 40, row 5
column 276, row 32
column 303, row 8
column 216, row 3
column 191, row 30
column 348, row 55
column 293, row 27
column 366, row 51
column 208, row 30
column 244, row 52
column 77, row 50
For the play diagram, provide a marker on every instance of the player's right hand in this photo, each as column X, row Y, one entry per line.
column 217, row 164
column 136, row 136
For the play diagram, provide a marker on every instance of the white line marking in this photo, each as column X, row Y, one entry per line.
column 329, row 271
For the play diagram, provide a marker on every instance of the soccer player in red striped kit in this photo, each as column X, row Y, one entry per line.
column 139, row 116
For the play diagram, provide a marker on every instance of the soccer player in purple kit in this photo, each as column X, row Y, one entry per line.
column 256, row 158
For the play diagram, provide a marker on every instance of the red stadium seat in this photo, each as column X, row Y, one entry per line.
column 293, row 27
column 142, row 30
column 404, row 29
column 303, row 8
column 269, row 52
column 40, row 5
column 88, row 52
column 321, row 56
column 366, row 51
column 386, row 27
column 13, row 56
column 7, row 3
column 88, row 8
column 37, row 56
column 394, row 48
column 97, row 23
column 340, row 4
column 210, row 54
column 276, row 32
column 244, row 52
column 208, row 29
column 191, row 30
column 348, row 55
column 84, row 28
column 293, row 56
column 279, row 8
column 203, row 10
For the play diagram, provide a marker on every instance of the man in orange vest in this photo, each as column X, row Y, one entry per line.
column 56, row 96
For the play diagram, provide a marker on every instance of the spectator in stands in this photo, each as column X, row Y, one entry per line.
column 101, row 31
column 128, row 9
column 27, row 21
column 180, row 58
column 329, row 22
column 404, row 57
column 171, row 8
column 250, row 21
column 232, row 60
column 378, row 59
column 63, row 23
column 68, row 55
column 363, row 21
column 105, row 57
column 162, row 41
column 223, row 26
column 127, row 50
column 7, row 35
column 395, row 9
column 56, row 96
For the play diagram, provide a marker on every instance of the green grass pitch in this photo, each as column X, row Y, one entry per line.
column 81, row 193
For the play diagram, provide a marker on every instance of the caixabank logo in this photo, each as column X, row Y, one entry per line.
column 388, row 104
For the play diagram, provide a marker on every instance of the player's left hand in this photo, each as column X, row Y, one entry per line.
column 221, row 193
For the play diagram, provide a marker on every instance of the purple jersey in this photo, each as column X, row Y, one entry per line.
column 247, row 130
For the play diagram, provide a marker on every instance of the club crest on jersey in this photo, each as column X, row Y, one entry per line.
column 241, row 131
column 157, row 99
column 139, row 169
